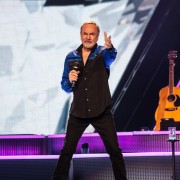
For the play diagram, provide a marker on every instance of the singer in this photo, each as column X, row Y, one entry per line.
column 91, row 99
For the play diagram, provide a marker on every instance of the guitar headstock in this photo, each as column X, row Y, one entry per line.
column 172, row 55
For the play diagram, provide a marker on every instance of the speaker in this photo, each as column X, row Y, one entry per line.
column 165, row 123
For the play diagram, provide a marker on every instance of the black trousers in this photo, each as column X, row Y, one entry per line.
column 104, row 125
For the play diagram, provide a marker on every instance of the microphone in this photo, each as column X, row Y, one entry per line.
column 76, row 67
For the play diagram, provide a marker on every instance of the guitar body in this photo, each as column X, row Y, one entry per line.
column 168, row 107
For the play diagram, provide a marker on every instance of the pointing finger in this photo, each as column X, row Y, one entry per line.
column 105, row 35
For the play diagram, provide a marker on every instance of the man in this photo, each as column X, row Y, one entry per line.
column 86, row 73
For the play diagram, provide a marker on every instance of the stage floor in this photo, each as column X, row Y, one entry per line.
column 140, row 166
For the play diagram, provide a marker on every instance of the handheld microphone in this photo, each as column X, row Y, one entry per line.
column 75, row 67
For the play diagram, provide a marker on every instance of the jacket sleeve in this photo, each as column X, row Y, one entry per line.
column 109, row 55
column 65, row 83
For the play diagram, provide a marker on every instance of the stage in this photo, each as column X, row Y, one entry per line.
column 147, row 154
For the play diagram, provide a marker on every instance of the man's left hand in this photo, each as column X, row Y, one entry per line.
column 107, row 40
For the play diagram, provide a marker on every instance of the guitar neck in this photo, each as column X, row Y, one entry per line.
column 171, row 76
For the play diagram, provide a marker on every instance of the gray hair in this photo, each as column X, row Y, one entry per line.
column 91, row 22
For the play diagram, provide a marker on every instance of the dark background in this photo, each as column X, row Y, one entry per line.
column 136, row 97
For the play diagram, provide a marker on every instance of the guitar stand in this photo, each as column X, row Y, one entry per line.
column 173, row 158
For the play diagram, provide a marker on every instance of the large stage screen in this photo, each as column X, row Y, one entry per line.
column 34, row 40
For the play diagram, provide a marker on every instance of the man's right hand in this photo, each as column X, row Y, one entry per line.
column 73, row 75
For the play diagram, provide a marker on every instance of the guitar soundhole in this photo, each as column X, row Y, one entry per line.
column 171, row 98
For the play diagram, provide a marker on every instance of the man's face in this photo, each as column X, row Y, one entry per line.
column 89, row 36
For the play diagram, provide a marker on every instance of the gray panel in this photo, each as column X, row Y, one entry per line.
column 138, row 168
column 99, row 168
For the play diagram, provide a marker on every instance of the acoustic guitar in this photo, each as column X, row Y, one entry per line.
column 169, row 97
